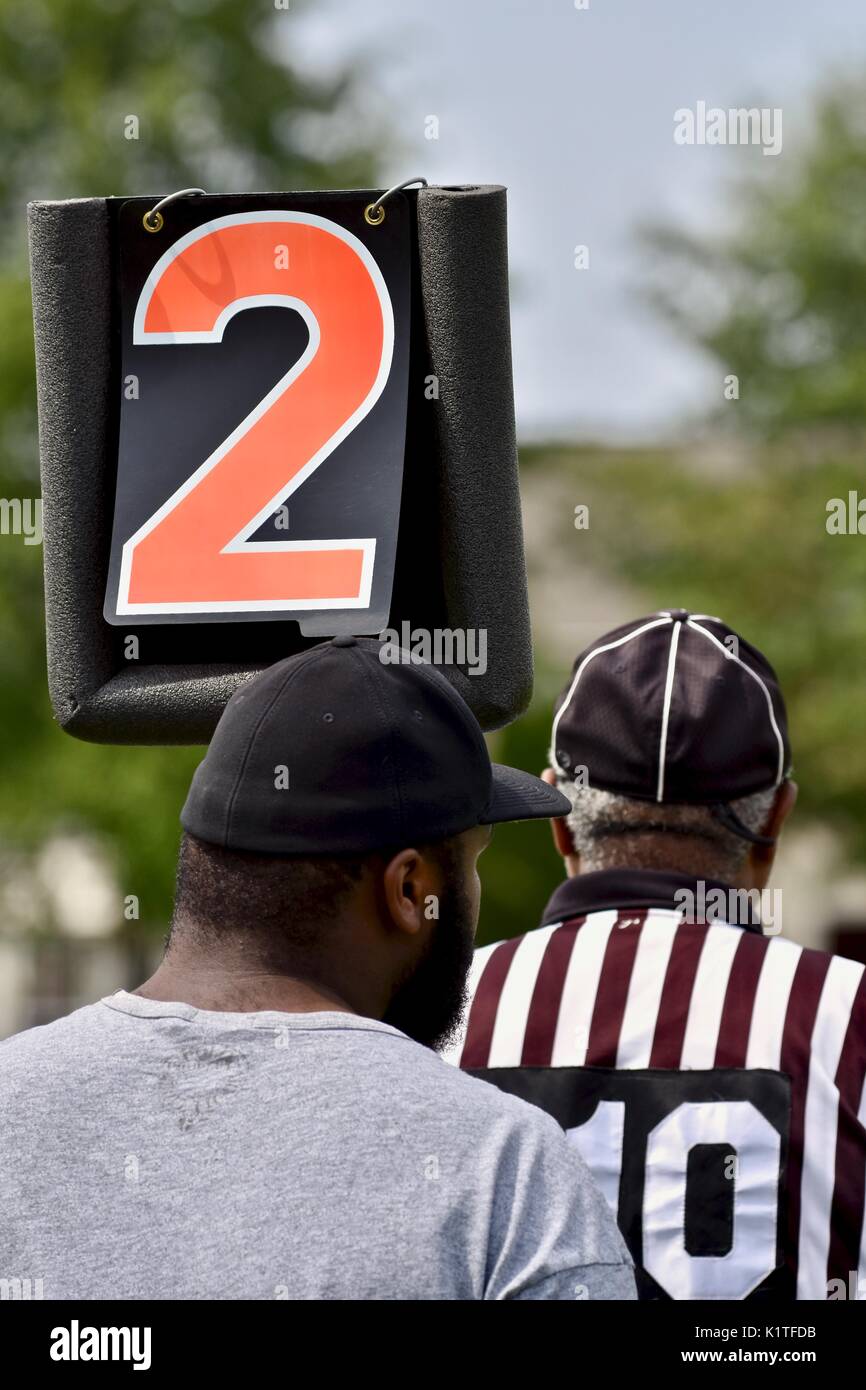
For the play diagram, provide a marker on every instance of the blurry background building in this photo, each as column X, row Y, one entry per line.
column 690, row 361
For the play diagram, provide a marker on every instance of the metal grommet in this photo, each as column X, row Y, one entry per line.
column 372, row 208
column 153, row 220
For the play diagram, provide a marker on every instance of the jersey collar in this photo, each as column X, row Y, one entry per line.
column 632, row 889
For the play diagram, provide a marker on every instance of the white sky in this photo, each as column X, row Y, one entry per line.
column 573, row 111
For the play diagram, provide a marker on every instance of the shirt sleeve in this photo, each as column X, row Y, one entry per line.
column 552, row 1233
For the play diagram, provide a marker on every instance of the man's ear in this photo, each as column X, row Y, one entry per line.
column 408, row 882
column 786, row 800
column 559, row 828
column 761, row 856
column 783, row 805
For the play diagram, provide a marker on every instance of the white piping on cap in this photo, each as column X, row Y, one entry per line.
column 608, row 646
column 666, row 707
column 732, row 656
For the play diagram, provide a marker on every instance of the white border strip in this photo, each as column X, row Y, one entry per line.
column 596, row 651
column 666, row 707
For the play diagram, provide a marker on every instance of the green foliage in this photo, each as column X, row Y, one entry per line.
column 778, row 297
column 749, row 544
column 777, row 300
column 216, row 100
column 220, row 105
column 520, row 868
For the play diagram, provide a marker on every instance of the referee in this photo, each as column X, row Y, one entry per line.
column 710, row 1071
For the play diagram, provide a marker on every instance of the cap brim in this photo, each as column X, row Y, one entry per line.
column 520, row 796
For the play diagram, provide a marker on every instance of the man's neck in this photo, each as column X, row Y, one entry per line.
column 226, row 988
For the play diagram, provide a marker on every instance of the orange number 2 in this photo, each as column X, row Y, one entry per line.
column 193, row 554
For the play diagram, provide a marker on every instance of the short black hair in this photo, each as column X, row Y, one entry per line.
column 284, row 901
column 224, row 891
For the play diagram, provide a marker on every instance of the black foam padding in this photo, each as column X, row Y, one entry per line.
column 462, row 242
column 460, row 560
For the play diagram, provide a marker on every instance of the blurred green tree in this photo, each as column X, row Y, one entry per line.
column 744, row 539
column 748, row 543
column 740, row 530
column 777, row 296
column 220, row 103
column 777, row 300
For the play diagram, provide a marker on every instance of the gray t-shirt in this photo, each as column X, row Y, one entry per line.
column 152, row 1150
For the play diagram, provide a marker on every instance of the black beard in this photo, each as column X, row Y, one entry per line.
column 428, row 1005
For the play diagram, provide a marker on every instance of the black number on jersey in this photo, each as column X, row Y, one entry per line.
column 691, row 1162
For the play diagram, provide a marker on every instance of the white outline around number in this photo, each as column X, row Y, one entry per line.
column 239, row 542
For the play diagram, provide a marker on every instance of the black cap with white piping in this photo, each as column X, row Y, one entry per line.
column 674, row 708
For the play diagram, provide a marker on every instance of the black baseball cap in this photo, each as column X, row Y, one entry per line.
column 676, row 707
column 335, row 751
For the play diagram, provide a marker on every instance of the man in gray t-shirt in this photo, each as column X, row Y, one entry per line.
column 154, row 1150
column 266, row 1116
